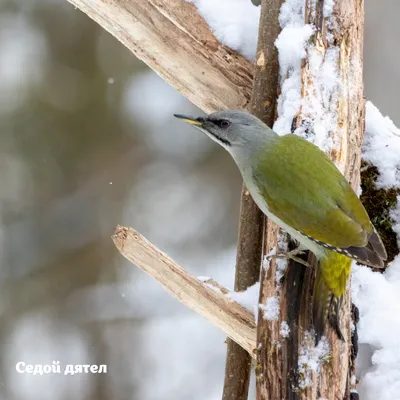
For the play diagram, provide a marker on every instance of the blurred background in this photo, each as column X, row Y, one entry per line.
column 88, row 141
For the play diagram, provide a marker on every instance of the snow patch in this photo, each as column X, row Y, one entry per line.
column 381, row 146
column 319, row 111
column 377, row 297
column 248, row 298
column 233, row 22
column 291, row 44
column 270, row 308
column 328, row 8
column 320, row 114
column 311, row 358
column 291, row 19
column 203, row 278
column 292, row 13
column 281, row 266
column 284, row 330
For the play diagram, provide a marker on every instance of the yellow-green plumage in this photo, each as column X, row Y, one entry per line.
column 325, row 209
column 331, row 278
column 335, row 271
column 324, row 205
column 298, row 187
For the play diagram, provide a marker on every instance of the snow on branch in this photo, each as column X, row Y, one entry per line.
column 204, row 296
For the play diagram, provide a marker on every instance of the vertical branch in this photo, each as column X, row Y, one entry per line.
column 249, row 253
column 248, row 259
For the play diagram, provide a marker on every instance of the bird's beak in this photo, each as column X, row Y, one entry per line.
column 190, row 120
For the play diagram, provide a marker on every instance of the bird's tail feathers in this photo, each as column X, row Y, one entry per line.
column 330, row 287
column 365, row 255
column 376, row 243
column 374, row 254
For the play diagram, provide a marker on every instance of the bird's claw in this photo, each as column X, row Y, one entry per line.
column 292, row 255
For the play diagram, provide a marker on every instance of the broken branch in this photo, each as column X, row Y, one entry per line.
column 174, row 40
column 209, row 299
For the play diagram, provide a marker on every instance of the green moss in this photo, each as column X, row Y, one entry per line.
column 379, row 203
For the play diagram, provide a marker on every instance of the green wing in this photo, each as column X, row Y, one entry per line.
column 305, row 190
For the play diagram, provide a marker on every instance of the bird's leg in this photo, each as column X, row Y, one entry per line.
column 292, row 255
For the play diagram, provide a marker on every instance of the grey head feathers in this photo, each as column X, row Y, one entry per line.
column 234, row 130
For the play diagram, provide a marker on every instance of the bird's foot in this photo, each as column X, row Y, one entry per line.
column 291, row 255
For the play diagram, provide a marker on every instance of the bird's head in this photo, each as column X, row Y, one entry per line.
column 233, row 130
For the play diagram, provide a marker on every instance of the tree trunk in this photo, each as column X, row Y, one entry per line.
column 281, row 373
column 248, row 260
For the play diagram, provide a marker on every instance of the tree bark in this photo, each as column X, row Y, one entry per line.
column 262, row 105
column 279, row 375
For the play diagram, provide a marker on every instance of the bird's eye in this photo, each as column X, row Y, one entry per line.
column 223, row 124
